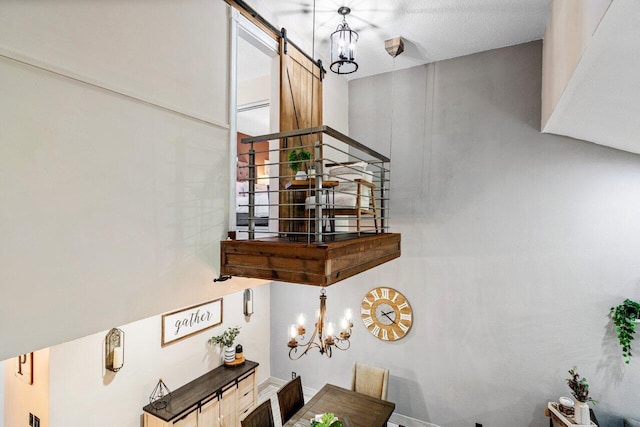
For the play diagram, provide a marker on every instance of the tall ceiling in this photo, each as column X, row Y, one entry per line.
column 433, row 30
column 599, row 104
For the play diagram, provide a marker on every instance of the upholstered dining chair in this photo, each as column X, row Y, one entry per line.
column 290, row 398
column 370, row 380
column 262, row 416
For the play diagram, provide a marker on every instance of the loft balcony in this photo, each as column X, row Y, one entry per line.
column 311, row 208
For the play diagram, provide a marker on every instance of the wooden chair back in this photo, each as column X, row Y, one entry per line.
column 290, row 399
column 262, row 416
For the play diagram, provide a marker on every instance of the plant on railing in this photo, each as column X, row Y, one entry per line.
column 298, row 158
column 625, row 317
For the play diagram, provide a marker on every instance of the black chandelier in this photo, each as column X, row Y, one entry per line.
column 326, row 340
column 343, row 46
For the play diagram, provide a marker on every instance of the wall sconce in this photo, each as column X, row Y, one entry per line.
column 248, row 302
column 114, row 350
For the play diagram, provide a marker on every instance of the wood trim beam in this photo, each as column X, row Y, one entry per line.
column 321, row 264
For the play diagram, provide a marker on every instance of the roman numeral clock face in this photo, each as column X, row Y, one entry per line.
column 386, row 313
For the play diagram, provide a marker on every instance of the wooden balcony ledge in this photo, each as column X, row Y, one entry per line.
column 320, row 264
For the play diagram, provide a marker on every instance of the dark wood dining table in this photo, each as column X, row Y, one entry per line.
column 353, row 409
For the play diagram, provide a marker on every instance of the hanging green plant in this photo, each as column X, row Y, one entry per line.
column 298, row 158
column 624, row 316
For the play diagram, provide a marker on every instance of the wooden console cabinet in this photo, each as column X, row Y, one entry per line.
column 220, row 398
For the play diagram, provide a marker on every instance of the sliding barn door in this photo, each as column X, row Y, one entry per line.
column 300, row 108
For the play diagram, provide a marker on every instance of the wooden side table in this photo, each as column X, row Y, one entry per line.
column 558, row 419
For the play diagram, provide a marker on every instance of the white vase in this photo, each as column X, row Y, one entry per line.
column 582, row 415
column 229, row 354
column 301, row 175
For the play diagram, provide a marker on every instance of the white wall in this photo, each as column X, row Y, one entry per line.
column 80, row 390
column 335, row 114
column 569, row 30
column 22, row 398
column 515, row 244
column 113, row 159
column 175, row 55
column 257, row 89
column 335, row 102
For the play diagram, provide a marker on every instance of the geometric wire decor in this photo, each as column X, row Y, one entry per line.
column 160, row 396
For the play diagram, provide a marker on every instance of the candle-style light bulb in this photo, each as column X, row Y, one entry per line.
column 301, row 319
column 292, row 330
column 347, row 314
column 329, row 329
column 344, row 324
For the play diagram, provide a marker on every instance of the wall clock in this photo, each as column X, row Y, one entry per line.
column 386, row 313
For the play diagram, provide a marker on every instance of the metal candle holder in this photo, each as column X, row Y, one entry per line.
column 114, row 342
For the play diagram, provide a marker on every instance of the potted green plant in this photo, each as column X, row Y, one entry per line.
column 297, row 159
column 326, row 420
column 626, row 316
column 580, row 391
column 226, row 341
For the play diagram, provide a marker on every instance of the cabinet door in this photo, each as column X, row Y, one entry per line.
column 229, row 408
column 189, row 420
column 209, row 415
column 151, row 421
column 246, row 396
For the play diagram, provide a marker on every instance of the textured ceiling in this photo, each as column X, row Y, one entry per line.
column 433, row 30
column 601, row 102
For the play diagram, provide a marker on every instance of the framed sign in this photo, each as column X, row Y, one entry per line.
column 24, row 368
column 188, row 321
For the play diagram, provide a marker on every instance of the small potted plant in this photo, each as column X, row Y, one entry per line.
column 326, row 420
column 626, row 316
column 297, row 160
column 580, row 391
column 226, row 341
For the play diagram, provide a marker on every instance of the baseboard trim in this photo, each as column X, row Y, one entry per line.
column 399, row 419
column 277, row 382
column 403, row 420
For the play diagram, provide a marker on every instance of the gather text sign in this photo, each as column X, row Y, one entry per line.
column 191, row 320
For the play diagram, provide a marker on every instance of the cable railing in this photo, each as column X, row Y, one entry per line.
column 310, row 185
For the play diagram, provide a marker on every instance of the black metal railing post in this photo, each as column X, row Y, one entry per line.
column 383, row 206
column 252, row 192
column 317, row 150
